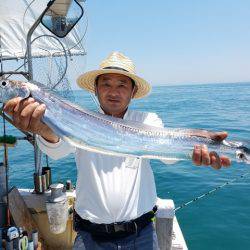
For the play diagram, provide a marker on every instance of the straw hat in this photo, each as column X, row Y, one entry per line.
column 115, row 63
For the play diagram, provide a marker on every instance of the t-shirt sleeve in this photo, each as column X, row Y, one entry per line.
column 153, row 119
column 56, row 150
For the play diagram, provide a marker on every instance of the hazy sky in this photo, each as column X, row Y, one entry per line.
column 178, row 41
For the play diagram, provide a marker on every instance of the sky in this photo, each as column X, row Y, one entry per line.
column 173, row 42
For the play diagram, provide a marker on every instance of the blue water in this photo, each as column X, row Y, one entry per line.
column 222, row 219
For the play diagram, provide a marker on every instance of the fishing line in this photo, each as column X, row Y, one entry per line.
column 210, row 192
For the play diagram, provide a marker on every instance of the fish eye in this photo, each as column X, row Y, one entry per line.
column 4, row 83
column 241, row 156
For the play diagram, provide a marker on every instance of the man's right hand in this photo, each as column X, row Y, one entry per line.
column 27, row 116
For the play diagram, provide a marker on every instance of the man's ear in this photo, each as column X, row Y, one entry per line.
column 134, row 91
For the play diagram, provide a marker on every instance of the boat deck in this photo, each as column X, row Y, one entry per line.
column 37, row 207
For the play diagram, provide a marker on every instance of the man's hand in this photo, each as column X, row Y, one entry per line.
column 27, row 116
column 201, row 156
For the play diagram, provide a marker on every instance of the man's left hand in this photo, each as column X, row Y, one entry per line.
column 201, row 156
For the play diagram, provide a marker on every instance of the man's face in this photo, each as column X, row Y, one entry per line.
column 114, row 92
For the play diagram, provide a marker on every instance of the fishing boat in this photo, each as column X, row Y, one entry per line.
column 38, row 41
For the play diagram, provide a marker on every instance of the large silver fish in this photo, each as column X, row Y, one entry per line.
column 109, row 135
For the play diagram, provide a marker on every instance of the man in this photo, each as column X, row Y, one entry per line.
column 115, row 196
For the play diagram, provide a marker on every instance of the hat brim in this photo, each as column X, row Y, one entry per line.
column 87, row 81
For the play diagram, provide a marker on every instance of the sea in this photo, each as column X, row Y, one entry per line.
column 219, row 220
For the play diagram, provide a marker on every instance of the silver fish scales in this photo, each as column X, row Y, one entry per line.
column 100, row 133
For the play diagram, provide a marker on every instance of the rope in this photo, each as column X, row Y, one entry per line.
column 211, row 191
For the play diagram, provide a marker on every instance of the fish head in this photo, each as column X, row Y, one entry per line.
column 10, row 89
column 243, row 154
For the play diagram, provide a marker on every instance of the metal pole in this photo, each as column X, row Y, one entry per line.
column 3, row 193
column 1, row 55
column 6, row 165
column 28, row 40
column 37, row 151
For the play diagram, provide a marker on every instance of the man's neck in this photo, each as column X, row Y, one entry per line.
column 120, row 115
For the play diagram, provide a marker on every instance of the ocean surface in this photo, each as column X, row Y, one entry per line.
column 218, row 221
